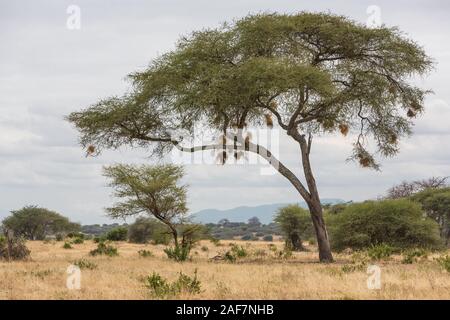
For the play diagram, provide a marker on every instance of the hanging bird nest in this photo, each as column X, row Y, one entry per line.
column 343, row 127
column 269, row 121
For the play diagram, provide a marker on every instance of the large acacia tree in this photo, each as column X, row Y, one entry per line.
column 311, row 73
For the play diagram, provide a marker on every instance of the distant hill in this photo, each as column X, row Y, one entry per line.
column 265, row 212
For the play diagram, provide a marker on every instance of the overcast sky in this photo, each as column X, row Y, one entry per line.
column 48, row 71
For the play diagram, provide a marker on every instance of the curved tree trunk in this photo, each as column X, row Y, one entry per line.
column 323, row 242
column 310, row 196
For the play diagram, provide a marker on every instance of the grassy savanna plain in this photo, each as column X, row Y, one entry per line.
column 260, row 275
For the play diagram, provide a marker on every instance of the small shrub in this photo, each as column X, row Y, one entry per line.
column 259, row 234
column 67, row 245
column 444, row 262
column 117, row 234
column 286, row 253
column 13, row 248
column 235, row 252
column 413, row 255
column 380, row 251
column 161, row 288
column 268, row 237
column 77, row 241
column 85, row 264
column 145, row 253
column 228, row 256
column 104, row 249
column 99, row 239
column 239, row 251
column 178, row 253
column 204, row 248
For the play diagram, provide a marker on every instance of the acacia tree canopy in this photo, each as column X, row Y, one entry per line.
column 151, row 190
column 313, row 73
column 36, row 223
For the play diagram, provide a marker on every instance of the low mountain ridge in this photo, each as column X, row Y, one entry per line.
column 265, row 213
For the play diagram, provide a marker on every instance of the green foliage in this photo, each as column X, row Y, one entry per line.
column 436, row 204
column 178, row 253
column 268, row 237
column 336, row 208
column 104, row 249
column 59, row 237
column 236, row 252
column 150, row 189
column 34, row 223
column 161, row 288
column 397, row 223
column 98, row 239
column 67, row 245
column 85, row 264
column 145, row 253
column 413, row 255
column 13, row 248
column 353, row 75
column 144, row 230
column 296, row 224
column 444, row 262
column 77, row 241
column 117, row 234
column 380, row 251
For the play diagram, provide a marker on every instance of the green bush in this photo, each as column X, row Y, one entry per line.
column 161, row 288
column 380, row 251
column 59, row 237
column 85, row 264
column 77, row 241
column 268, row 237
column 178, row 253
column 144, row 230
column 235, row 252
column 117, row 234
column 67, row 245
column 397, row 223
column 99, row 239
column 13, row 248
column 296, row 224
column 104, row 249
column 412, row 255
column 75, row 235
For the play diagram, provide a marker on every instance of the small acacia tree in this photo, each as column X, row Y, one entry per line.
column 151, row 190
column 296, row 225
column 314, row 73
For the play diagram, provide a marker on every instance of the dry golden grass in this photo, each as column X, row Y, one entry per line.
column 300, row 277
